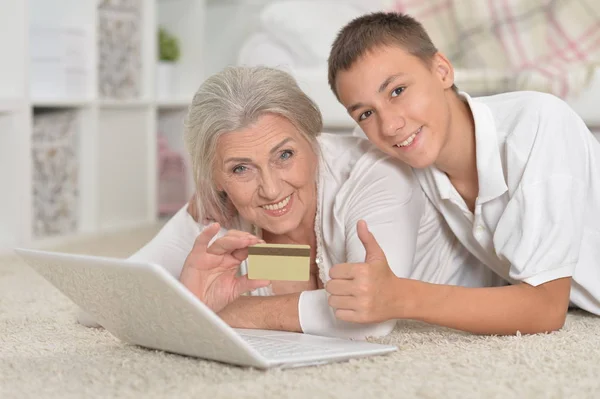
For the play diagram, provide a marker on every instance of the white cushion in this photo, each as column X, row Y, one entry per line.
column 307, row 28
column 313, row 81
column 260, row 49
column 586, row 102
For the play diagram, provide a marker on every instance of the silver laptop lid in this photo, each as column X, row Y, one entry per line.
column 123, row 296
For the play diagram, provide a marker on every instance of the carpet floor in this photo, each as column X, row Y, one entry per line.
column 45, row 353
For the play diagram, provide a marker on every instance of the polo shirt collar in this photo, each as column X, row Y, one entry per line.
column 489, row 165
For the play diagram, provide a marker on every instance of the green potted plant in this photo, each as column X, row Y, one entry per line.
column 168, row 55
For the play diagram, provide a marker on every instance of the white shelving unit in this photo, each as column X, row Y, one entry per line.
column 95, row 62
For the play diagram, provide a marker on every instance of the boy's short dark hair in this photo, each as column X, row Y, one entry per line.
column 373, row 30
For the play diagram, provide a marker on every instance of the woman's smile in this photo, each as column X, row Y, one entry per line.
column 279, row 208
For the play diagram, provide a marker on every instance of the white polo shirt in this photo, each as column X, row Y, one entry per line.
column 537, row 215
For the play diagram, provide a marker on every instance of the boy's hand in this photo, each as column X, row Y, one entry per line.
column 365, row 292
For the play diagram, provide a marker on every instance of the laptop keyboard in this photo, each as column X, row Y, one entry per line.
column 277, row 348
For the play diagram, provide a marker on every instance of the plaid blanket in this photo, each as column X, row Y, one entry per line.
column 505, row 45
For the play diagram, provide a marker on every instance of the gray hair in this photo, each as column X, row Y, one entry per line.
column 231, row 100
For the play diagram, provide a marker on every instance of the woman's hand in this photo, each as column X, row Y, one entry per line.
column 210, row 272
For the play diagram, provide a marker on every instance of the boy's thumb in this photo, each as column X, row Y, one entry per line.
column 373, row 251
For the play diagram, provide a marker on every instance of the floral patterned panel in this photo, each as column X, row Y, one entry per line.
column 55, row 173
column 119, row 48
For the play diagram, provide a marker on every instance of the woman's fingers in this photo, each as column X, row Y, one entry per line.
column 238, row 233
column 234, row 239
column 240, row 254
column 231, row 243
column 205, row 236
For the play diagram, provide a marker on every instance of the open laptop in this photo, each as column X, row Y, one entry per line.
column 142, row 304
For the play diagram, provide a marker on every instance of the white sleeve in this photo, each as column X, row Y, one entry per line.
column 171, row 246
column 385, row 193
column 317, row 317
column 541, row 229
column 387, row 196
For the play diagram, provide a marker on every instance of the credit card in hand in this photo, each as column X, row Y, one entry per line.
column 287, row 262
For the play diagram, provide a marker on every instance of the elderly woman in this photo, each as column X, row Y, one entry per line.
column 264, row 172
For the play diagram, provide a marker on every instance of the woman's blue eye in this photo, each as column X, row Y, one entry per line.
column 287, row 154
column 239, row 169
column 397, row 91
column 364, row 115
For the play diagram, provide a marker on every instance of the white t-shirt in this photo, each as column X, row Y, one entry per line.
column 537, row 215
column 356, row 181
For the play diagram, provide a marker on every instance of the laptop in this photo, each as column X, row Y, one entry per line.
column 142, row 304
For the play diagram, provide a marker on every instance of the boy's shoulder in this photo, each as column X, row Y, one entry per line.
column 344, row 156
column 525, row 104
column 527, row 120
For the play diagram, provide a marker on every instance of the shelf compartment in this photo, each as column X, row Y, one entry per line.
column 55, row 172
column 185, row 19
column 119, row 49
column 127, row 172
column 175, row 181
column 61, row 50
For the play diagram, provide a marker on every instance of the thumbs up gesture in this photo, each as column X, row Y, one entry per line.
column 363, row 292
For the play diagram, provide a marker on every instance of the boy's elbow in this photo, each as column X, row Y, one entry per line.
column 553, row 319
column 554, row 304
column 557, row 321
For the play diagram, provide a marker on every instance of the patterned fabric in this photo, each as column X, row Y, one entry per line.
column 503, row 45
column 55, row 168
column 119, row 49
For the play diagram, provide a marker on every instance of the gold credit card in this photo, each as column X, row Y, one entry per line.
column 279, row 262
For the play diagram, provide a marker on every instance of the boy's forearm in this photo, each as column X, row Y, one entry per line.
column 495, row 310
column 278, row 312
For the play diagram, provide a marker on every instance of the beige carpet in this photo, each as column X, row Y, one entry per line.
column 44, row 353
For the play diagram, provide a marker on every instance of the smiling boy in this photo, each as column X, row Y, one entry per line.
column 515, row 175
